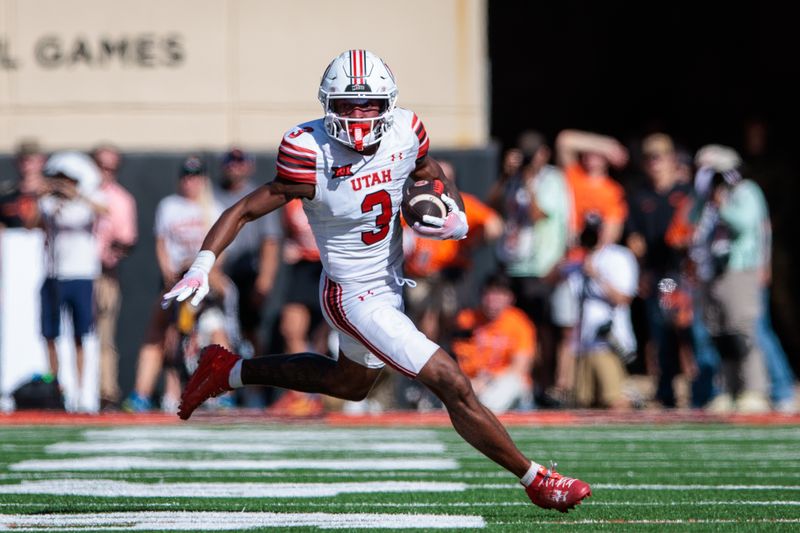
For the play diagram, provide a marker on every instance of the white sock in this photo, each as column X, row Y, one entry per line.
column 235, row 377
column 529, row 476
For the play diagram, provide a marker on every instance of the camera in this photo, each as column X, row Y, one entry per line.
column 604, row 333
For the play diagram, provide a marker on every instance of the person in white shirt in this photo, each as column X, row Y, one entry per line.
column 68, row 208
column 594, row 302
column 181, row 221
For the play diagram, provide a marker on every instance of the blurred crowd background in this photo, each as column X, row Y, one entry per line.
column 629, row 187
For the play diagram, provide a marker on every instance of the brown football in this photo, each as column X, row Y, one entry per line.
column 420, row 198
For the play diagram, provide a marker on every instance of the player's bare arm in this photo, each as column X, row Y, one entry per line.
column 263, row 200
column 429, row 169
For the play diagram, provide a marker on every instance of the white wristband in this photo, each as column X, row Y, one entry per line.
column 204, row 261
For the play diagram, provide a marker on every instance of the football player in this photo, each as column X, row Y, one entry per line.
column 348, row 168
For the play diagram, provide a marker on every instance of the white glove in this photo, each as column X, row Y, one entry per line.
column 453, row 226
column 195, row 281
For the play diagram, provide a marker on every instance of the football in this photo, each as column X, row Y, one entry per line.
column 420, row 198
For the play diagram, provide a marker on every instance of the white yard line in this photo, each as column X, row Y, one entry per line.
column 145, row 463
column 593, row 502
column 122, row 489
column 266, row 435
column 205, row 521
column 239, row 447
column 650, row 486
column 622, row 521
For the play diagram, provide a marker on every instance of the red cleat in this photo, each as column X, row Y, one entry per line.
column 551, row 490
column 210, row 378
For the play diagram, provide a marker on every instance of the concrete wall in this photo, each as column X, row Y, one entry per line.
column 204, row 74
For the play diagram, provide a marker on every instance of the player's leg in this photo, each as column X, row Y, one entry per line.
column 373, row 316
column 480, row 428
column 51, row 321
column 474, row 422
column 310, row 372
column 220, row 371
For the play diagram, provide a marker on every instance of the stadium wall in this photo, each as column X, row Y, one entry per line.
column 150, row 75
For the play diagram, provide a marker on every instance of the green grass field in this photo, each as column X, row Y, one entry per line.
column 304, row 477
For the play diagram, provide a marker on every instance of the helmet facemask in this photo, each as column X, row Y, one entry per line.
column 361, row 78
column 358, row 132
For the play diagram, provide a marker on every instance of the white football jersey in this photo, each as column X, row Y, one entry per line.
column 354, row 212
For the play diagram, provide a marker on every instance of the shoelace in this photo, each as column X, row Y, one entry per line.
column 552, row 478
column 400, row 280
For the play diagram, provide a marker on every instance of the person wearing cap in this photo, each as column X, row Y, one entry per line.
column 252, row 259
column 67, row 211
column 652, row 207
column 181, row 222
column 729, row 249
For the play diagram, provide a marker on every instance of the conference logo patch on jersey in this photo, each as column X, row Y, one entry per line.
column 343, row 171
column 297, row 132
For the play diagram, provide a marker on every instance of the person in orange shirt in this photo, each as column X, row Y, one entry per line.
column 495, row 347
column 585, row 158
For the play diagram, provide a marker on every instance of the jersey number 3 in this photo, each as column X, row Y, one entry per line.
column 384, row 200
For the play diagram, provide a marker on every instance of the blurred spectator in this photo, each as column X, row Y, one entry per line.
column 182, row 221
column 116, row 234
column 594, row 301
column 535, row 206
column 772, row 172
column 30, row 162
column 651, row 210
column 728, row 249
column 252, row 259
column 302, row 326
column 68, row 208
column 585, row 158
column 18, row 196
column 495, row 347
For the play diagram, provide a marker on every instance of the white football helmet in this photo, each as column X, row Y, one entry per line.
column 360, row 75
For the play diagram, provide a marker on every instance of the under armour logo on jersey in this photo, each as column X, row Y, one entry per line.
column 364, row 296
column 299, row 131
column 342, row 172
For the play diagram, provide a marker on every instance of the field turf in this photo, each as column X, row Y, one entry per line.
column 308, row 476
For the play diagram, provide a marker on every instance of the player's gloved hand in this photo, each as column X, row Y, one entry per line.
column 453, row 226
column 195, row 281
